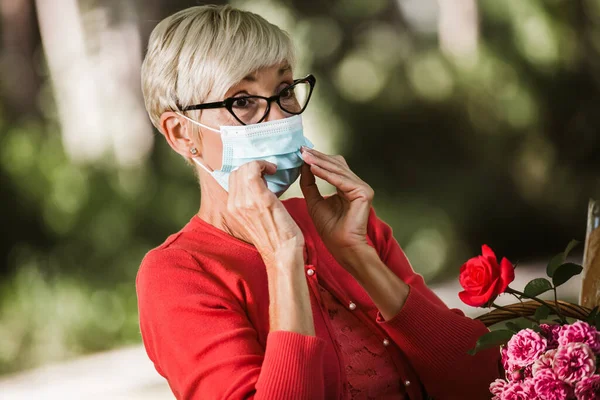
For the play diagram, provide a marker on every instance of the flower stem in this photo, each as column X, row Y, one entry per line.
column 513, row 312
column 534, row 298
column 518, row 298
column 557, row 306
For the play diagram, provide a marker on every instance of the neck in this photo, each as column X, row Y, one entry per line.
column 213, row 206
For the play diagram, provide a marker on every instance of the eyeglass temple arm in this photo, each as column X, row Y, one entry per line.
column 218, row 104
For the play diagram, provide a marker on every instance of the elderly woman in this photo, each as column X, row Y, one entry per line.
column 260, row 298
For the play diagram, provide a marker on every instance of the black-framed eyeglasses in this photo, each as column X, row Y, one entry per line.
column 247, row 110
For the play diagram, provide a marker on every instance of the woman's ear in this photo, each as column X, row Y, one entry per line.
column 177, row 132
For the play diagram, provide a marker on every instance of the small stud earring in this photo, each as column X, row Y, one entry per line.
column 193, row 151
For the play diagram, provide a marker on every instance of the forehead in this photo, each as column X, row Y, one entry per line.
column 269, row 76
column 276, row 71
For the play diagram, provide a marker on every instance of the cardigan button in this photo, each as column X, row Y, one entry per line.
column 310, row 272
column 352, row 306
column 386, row 342
column 407, row 383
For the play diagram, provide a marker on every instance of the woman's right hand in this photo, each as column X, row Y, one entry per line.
column 261, row 218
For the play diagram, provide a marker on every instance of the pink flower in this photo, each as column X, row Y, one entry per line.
column 544, row 362
column 506, row 364
column 549, row 387
column 504, row 352
column 511, row 372
column 516, row 375
column 519, row 391
column 520, row 374
column 580, row 332
column 496, row 388
column 525, row 347
column 550, row 332
column 574, row 362
column 588, row 388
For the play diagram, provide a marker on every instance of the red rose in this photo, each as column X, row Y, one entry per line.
column 483, row 279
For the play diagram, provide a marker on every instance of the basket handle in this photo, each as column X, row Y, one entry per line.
column 527, row 308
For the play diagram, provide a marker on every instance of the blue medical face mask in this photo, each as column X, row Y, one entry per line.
column 277, row 142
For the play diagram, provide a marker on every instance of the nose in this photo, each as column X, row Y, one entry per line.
column 275, row 113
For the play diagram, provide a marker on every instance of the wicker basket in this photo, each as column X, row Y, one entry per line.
column 527, row 308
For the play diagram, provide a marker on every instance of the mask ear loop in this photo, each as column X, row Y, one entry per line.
column 195, row 159
column 193, row 151
column 197, row 123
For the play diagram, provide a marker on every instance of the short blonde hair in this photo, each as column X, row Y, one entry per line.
column 205, row 50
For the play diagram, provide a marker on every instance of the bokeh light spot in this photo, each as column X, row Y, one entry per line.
column 358, row 79
column 384, row 45
column 108, row 311
column 429, row 250
column 532, row 170
column 430, row 76
column 69, row 189
column 18, row 152
column 322, row 35
column 517, row 106
column 536, row 40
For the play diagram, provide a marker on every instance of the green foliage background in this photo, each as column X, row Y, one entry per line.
column 503, row 150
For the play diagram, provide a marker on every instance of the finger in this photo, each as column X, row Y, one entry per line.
column 233, row 192
column 326, row 162
column 258, row 197
column 254, row 182
column 261, row 167
column 337, row 159
column 309, row 187
column 341, row 160
column 253, row 172
column 351, row 189
column 339, row 181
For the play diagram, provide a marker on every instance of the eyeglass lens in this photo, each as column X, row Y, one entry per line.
column 293, row 100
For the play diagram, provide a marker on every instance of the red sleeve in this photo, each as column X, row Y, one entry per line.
column 433, row 337
column 199, row 338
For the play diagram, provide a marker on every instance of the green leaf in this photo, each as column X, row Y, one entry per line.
column 536, row 328
column 559, row 259
column 537, row 287
column 513, row 327
column 541, row 313
column 570, row 247
column 519, row 324
column 491, row 339
column 597, row 322
column 554, row 263
column 565, row 272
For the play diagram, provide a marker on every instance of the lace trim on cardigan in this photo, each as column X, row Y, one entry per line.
column 369, row 367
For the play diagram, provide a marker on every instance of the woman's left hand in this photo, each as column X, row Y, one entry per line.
column 341, row 219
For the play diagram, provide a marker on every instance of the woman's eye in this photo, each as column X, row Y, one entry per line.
column 287, row 93
column 241, row 102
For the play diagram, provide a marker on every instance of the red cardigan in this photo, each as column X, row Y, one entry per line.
column 204, row 316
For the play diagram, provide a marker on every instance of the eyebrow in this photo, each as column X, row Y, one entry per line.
column 282, row 70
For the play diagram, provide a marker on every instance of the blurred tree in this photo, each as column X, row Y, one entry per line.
column 19, row 53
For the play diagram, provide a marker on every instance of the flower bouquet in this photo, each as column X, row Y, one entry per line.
column 552, row 351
